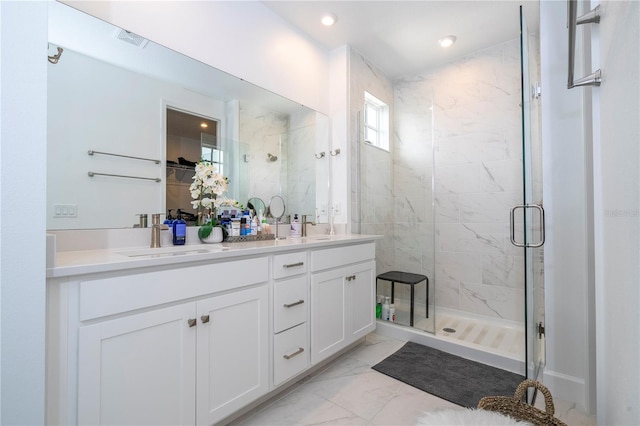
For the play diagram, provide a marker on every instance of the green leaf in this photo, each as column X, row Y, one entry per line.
column 205, row 230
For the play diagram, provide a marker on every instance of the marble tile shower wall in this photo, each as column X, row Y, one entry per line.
column 292, row 139
column 372, row 202
column 301, row 167
column 413, row 185
column 261, row 133
column 478, row 177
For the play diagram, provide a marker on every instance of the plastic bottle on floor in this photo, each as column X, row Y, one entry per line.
column 385, row 309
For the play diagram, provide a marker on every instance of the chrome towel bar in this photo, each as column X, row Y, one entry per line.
column 91, row 152
column 92, row 174
column 593, row 16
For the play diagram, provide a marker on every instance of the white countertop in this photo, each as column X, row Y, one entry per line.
column 70, row 263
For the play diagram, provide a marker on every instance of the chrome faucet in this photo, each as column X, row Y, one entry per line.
column 304, row 225
column 156, row 226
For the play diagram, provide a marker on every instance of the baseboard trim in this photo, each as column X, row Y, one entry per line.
column 567, row 388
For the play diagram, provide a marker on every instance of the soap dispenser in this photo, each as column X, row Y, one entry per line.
column 169, row 221
column 179, row 230
column 296, row 227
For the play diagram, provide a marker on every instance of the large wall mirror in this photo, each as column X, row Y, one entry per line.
column 127, row 118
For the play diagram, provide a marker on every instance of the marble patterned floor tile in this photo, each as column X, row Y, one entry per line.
column 301, row 407
column 342, row 367
column 408, row 405
column 363, row 394
column 348, row 392
column 375, row 348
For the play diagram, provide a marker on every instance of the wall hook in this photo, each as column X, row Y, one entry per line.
column 55, row 58
column 319, row 156
column 272, row 157
column 335, row 152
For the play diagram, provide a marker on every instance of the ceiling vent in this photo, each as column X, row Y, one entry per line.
column 131, row 38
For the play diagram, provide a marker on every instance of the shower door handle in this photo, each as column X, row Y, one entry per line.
column 524, row 207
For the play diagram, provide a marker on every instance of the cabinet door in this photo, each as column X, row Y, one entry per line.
column 361, row 317
column 328, row 322
column 138, row 370
column 232, row 352
column 342, row 308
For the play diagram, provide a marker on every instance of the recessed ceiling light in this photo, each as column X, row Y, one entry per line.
column 447, row 41
column 329, row 19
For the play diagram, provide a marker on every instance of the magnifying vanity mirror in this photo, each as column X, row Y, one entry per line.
column 276, row 210
column 257, row 205
column 118, row 95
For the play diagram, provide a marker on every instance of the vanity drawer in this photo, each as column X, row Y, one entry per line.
column 109, row 296
column 290, row 353
column 339, row 256
column 291, row 303
column 290, row 264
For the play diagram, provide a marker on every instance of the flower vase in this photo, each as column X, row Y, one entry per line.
column 216, row 236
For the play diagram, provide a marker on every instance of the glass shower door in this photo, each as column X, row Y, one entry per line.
column 532, row 210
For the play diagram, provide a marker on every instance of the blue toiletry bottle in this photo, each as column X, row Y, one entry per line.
column 179, row 231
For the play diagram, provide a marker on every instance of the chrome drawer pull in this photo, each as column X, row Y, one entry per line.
column 192, row 322
column 290, row 305
column 298, row 352
column 293, row 265
column 351, row 278
column 204, row 319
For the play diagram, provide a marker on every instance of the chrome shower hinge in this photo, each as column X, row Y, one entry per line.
column 536, row 90
column 540, row 328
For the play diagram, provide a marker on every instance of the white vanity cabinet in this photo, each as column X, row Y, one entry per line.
column 195, row 341
column 145, row 359
column 342, row 294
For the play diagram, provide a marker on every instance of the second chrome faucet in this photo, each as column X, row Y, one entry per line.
column 305, row 222
column 156, row 227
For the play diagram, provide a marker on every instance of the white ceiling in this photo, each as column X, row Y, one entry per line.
column 400, row 37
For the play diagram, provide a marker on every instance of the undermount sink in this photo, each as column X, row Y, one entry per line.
column 317, row 237
column 167, row 251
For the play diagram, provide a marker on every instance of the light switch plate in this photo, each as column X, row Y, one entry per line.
column 65, row 210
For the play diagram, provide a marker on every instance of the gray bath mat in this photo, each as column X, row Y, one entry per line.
column 447, row 376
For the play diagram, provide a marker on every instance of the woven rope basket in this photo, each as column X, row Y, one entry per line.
column 519, row 410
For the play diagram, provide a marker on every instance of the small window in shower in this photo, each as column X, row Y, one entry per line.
column 211, row 152
column 376, row 122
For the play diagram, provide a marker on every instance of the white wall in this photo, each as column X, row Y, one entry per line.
column 341, row 125
column 616, row 45
column 245, row 39
column 566, row 189
column 23, row 124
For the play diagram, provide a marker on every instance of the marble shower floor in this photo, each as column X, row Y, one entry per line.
column 349, row 392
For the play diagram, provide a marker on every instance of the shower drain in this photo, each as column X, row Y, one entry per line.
column 449, row 330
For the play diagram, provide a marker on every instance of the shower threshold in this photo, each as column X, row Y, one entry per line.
column 452, row 345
